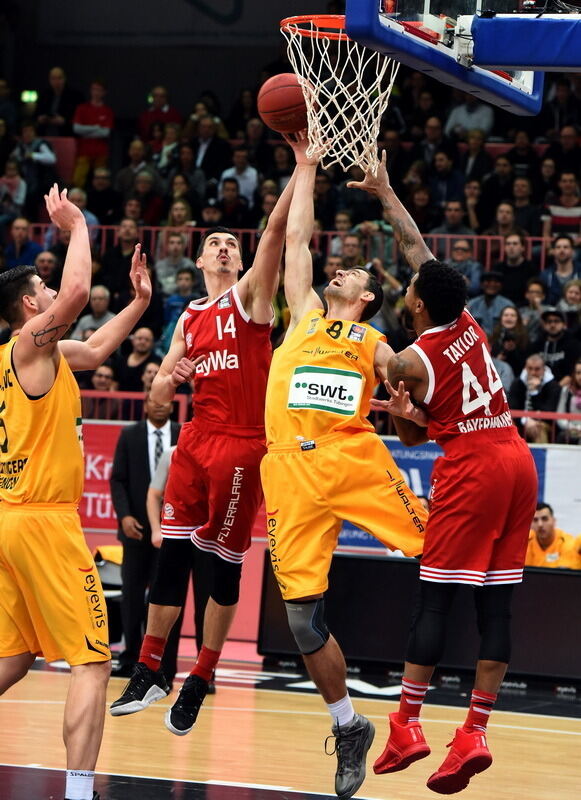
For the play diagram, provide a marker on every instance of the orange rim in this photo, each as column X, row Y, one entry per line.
column 321, row 22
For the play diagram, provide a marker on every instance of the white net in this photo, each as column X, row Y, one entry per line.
column 346, row 88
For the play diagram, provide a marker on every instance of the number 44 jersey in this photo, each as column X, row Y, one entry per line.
column 464, row 394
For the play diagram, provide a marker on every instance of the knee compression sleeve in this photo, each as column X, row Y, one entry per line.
column 225, row 589
column 170, row 585
column 428, row 630
column 493, row 616
column 307, row 623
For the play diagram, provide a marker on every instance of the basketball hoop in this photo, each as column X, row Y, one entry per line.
column 346, row 88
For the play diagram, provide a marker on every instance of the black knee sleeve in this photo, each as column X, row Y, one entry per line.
column 493, row 616
column 306, row 620
column 225, row 589
column 428, row 629
column 170, row 585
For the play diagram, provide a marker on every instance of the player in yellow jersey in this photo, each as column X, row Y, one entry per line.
column 325, row 463
column 51, row 601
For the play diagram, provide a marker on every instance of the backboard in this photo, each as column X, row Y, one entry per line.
column 440, row 38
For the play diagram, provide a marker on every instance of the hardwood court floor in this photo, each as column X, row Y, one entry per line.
column 246, row 736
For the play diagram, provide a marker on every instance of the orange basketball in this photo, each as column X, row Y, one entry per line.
column 281, row 104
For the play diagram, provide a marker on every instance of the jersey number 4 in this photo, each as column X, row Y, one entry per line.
column 229, row 328
column 473, row 395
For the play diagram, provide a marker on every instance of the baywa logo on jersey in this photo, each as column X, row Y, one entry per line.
column 168, row 511
column 337, row 391
column 357, row 333
column 225, row 302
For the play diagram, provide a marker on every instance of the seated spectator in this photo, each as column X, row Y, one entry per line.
column 56, row 105
column 244, row 109
column 343, row 224
column 471, row 114
column 504, row 370
column 234, row 207
column 79, row 198
column 102, row 380
column 12, row 195
column 566, row 153
column 8, row 110
column 510, row 339
column 561, row 270
column 503, row 225
column 462, row 261
column 150, row 199
column 211, row 215
column 434, row 140
column 259, row 150
column 421, row 210
column 570, row 403
column 267, row 205
column 129, row 369
column 60, row 247
column 47, row 267
column 446, row 182
column 166, row 156
column 549, row 546
column 496, row 189
column 132, row 210
column 527, row 215
column 352, row 252
column 487, row 307
column 570, row 305
column 36, row 160
column 179, row 220
column 535, row 390
column 399, row 158
column 99, row 300
column 204, row 107
column 360, row 204
column 546, row 182
column 559, row 348
column 102, row 199
column 117, row 259
column 20, row 248
column 562, row 212
column 416, row 175
column 184, row 292
column 377, row 235
column 186, row 165
column 149, row 373
column 535, row 296
column 515, row 268
column 475, row 163
column 473, row 204
column 167, row 269
column 180, row 189
column 152, row 317
column 211, row 153
column 125, row 178
column 92, row 124
column 562, row 110
column 523, row 157
column 243, row 173
column 416, row 118
column 453, row 225
column 283, row 166
column 326, row 201
column 159, row 111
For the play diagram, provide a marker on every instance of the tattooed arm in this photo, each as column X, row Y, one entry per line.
column 410, row 241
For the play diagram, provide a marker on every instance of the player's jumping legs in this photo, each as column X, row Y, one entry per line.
column 13, row 669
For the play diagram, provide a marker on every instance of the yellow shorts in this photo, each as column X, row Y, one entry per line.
column 309, row 492
column 51, row 600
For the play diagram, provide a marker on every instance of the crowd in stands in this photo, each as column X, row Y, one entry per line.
column 497, row 196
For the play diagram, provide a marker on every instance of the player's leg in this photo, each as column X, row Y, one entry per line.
column 85, row 714
column 18, row 642
column 13, row 669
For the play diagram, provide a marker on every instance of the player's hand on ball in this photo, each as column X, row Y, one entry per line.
column 184, row 370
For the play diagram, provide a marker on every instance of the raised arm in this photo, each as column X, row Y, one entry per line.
column 99, row 346
column 409, row 239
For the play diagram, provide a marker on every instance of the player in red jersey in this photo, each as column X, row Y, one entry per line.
column 213, row 492
column 483, row 497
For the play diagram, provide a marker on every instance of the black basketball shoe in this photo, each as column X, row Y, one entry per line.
column 144, row 687
column 181, row 717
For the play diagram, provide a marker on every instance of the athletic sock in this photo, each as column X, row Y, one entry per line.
column 412, row 697
column 79, row 784
column 481, row 705
column 341, row 712
column 206, row 663
column 151, row 651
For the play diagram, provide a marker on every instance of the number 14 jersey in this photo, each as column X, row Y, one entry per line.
column 465, row 393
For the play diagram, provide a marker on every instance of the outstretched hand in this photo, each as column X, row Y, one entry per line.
column 400, row 405
column 374, row 184
column 300, row 142
column 140, row 276
column 62, row 212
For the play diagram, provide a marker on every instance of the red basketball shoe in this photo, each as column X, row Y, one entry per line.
column 468, row 756
column 405, row 745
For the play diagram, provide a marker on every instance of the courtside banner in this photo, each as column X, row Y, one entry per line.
column 99, row 440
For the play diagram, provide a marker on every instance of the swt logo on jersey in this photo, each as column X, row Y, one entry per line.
column 334, row 390
column 217, row 360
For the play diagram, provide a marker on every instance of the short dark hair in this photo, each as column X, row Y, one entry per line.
column 211, row 232
column 442, row 290
column 186, row 271
column 560, row 236
column 14, row 284
column 231, row 180
column 541, row 505
column 373, row 306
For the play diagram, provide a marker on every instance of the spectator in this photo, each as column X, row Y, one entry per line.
column 47, row 267
column 60, row 247
column 36, row 159
column 360, row 204
column 535, row 296
column 8, row 110
column 416, row 118
column 570, row 304
column 461, row 260
column 471, row 114
column 526, row 215
column 234, row 207
column 515, row 268
column 453, row 225
column 166, row 269
column 546, row 182
column 446, row 183
column 125, row 178
column 535, row 390
column 185, row 165
column 132, row 210
column 158, row 111
column 560, row 350
column 151, row 201
column 473, row 204
column 180, row 215
column 497, row 188
column 562, row 212
column 180, row 189
column 504, row 224
column 421, row 209
column 56, row 105
column 283, row 166
column 79, row 198
column 152, row 317
column 434, row 140
column 475, row 162
column 245, row 175
column 487, row 307
column 99, row 300
column 549, row 546
column 570, row 403
column 165, row 157
column 20, row 249
column 267, row 206
column 129, row 369
column 343, row 224
column 212, row 214
column 416, row 175
column 117, row 259
column 7, row 142
column 102, row 380
column 102, row 200
column 510, row 339
column 566, row 153
column 12, row 195
column 523, row 156
column 177, row 302
column 259, row 151
column 211, row 153
column 332, row 264
column 504, row 370
column 204, row 107
column 243, row 110
column 379, row 242
column 92, row 123
column 563, row 110
column 399, row 158
column 563, row 269
column 149, row 374
column 352, row 253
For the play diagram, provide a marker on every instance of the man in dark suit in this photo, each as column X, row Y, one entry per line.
column 138, row 452
column 211, row 153
column 56, row 105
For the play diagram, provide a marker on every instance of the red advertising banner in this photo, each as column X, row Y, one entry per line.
column 100, row 439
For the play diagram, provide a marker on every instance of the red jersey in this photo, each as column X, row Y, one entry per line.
column 465, row 394
column 230, row 384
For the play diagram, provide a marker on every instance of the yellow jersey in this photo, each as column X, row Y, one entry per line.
column 41, row 457
column 562, row 552
column 321, row 380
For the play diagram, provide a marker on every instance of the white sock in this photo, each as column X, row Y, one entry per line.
column 79, row 784
column 341, row 712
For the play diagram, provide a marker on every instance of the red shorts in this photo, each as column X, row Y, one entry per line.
column 482, row 504
column 213, row 490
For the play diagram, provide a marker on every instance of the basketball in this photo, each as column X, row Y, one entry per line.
column 281, row 104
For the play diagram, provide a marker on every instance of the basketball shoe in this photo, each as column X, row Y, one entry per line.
column 351, row 745
column 405, row 745
column 144, row 687
column 181, row 717
column 468, row 756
